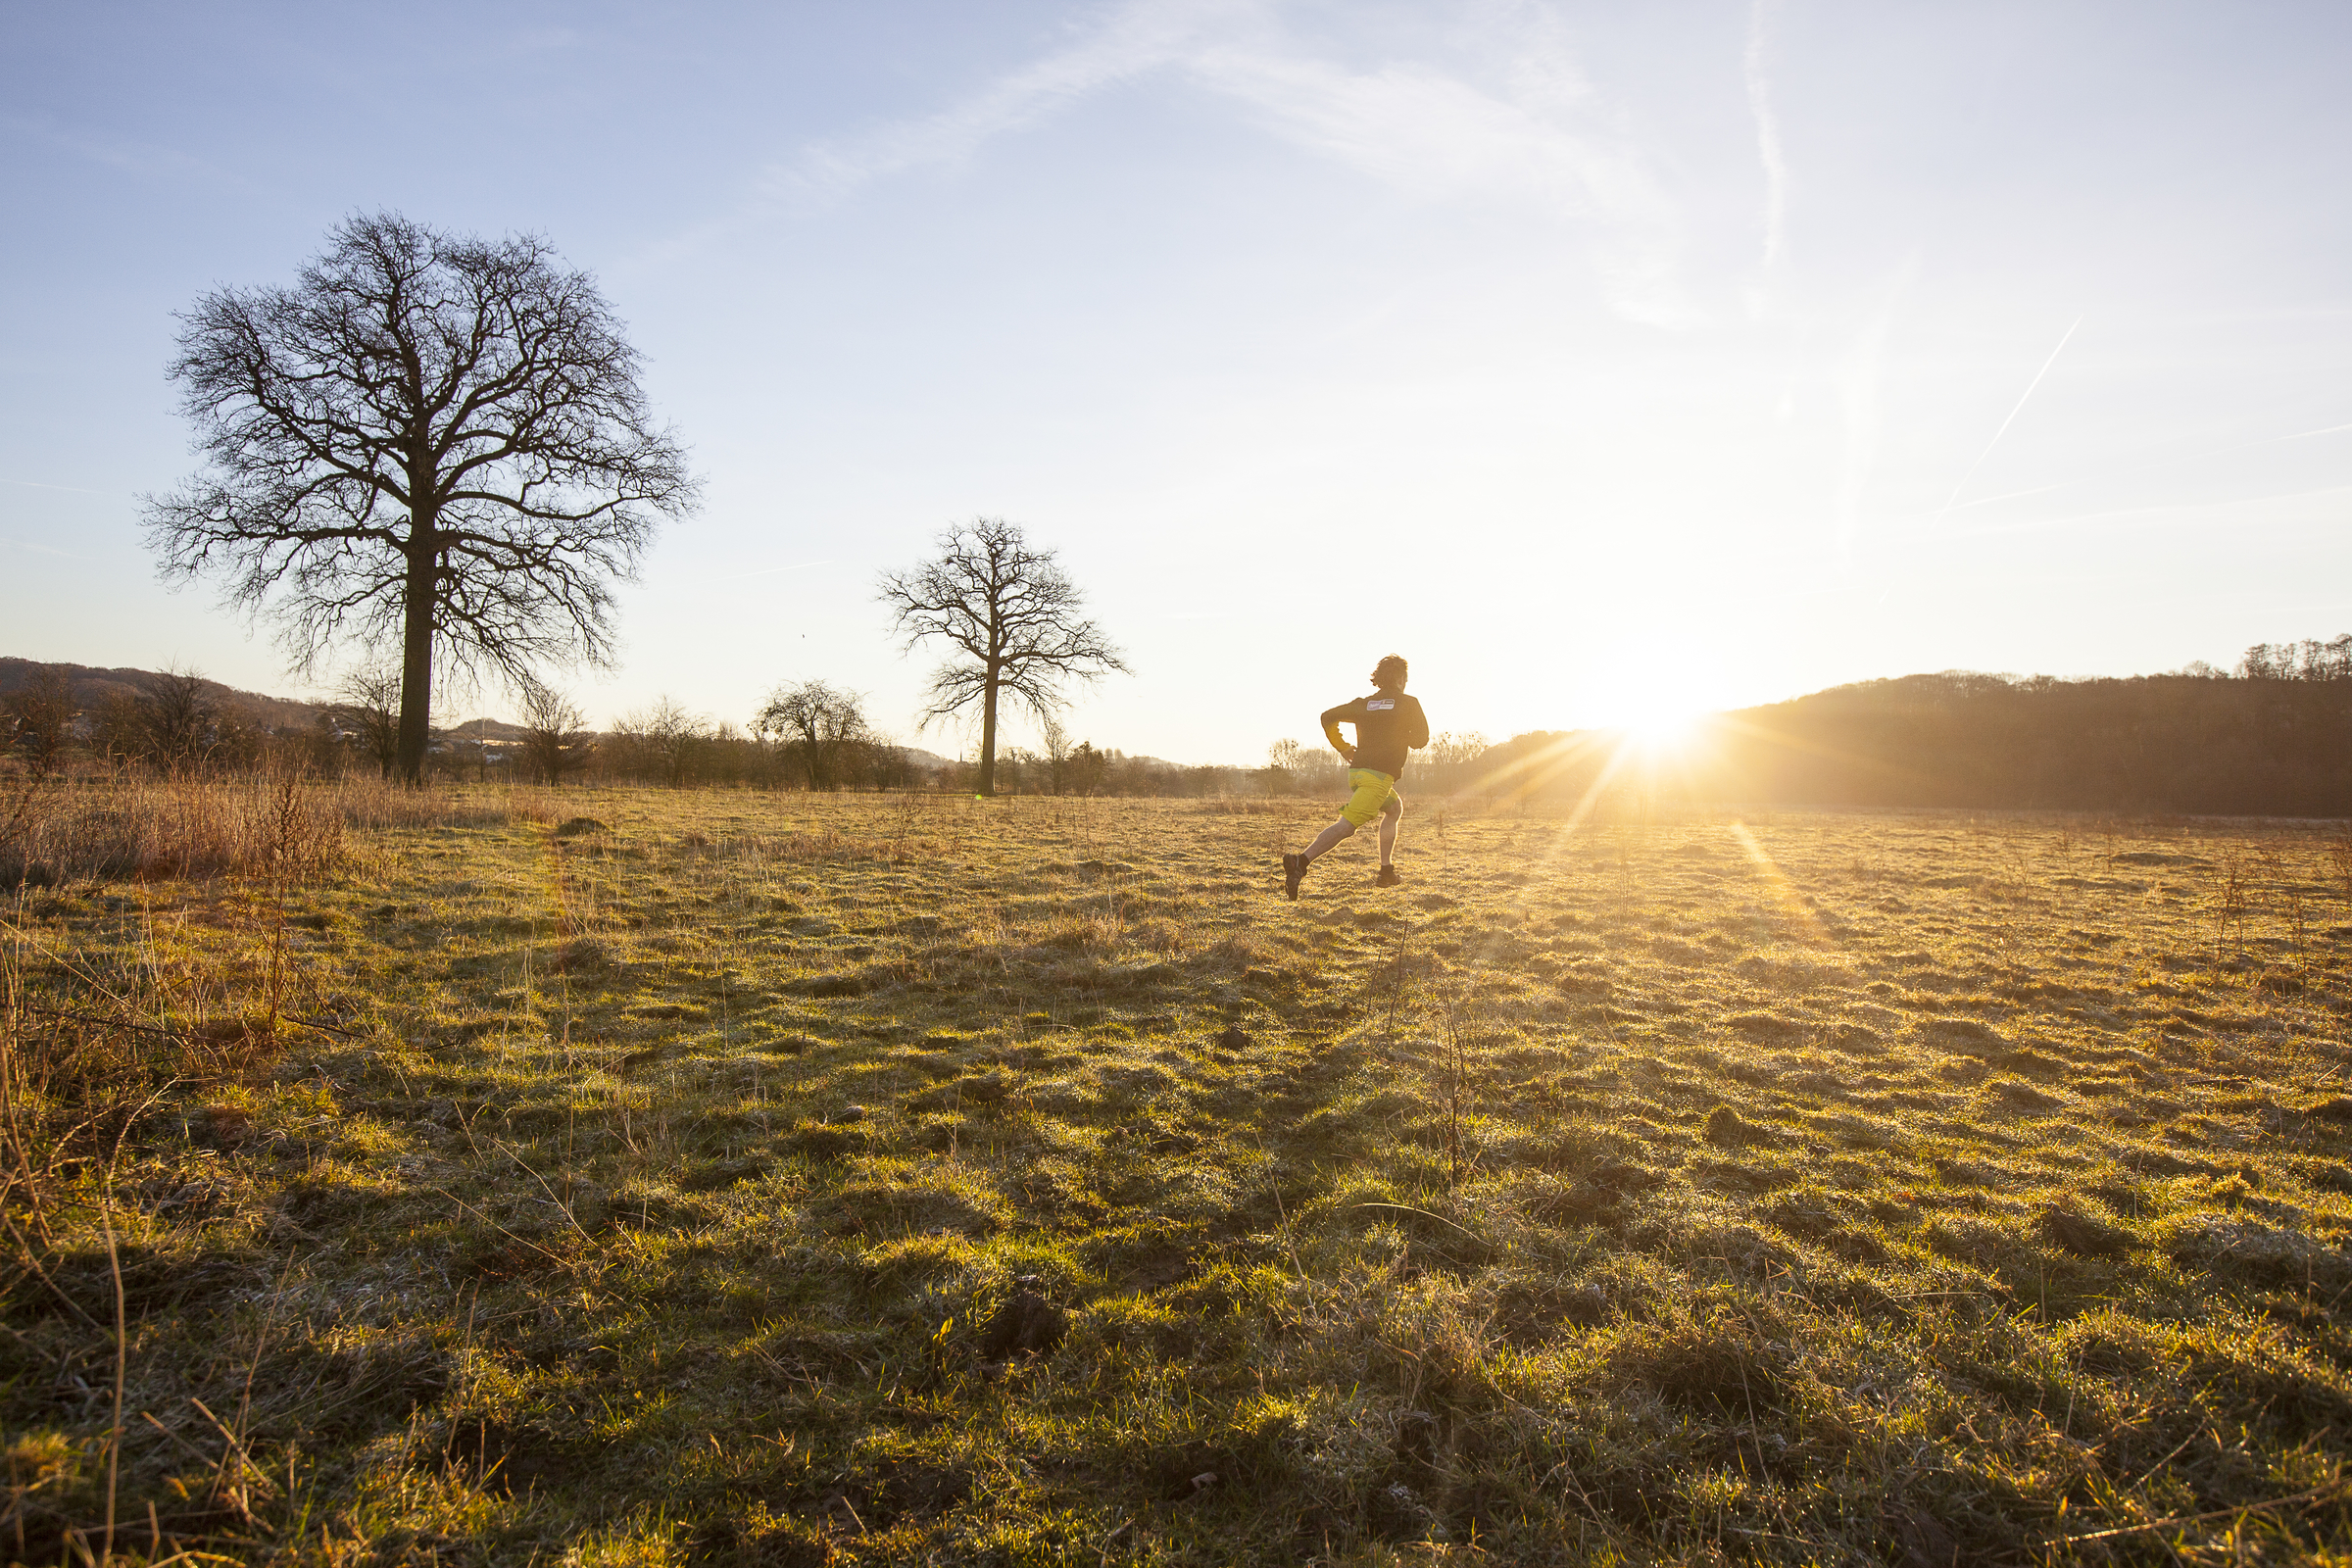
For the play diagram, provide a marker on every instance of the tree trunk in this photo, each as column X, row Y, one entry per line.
column 988, row 736
column 820, row 766
column 417, row 665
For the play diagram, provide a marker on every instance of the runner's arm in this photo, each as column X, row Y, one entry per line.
column 1332, row 720
column 1420, row 737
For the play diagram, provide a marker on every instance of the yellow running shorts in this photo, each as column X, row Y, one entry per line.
column 1369, row 792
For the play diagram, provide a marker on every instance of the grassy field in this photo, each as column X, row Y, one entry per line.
column 738, row 1179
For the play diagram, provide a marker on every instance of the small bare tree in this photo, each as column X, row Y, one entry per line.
column 118, row 728
column 181, row 723
column 370, row 710
column 667, row 737
column 827, row 722
column 1055, row 736
column 1010, row 613
column 1087, row 769
column 555, row 739
column 430, row 441
column 1451, row 761
column 41, row 714
column 1287, row 763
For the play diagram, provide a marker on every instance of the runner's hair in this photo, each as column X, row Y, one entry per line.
column 1389, row 672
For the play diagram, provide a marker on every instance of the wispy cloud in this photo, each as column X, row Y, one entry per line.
column 1136, row 40
column 125, row 155
column 1132, row 41
column 1438, row 137
column 1768, row 134
column 1535, row 138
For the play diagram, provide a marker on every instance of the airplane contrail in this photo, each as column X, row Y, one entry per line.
column 36, row 484
column 2303, row 435
column 2143, row 464
column 2006, row 423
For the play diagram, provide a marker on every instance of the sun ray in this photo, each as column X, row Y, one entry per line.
column 1798, row 907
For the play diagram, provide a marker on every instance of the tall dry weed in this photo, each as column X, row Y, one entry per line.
column 292, row 829
column 2233, row 902
column 86, row 1052
column 2339, row 861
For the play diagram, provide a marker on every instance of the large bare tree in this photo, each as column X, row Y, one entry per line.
column 429, row 442
column 1011, row 616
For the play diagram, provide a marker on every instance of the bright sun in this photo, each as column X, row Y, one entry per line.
column 1666, row 723
column 1658, row 712
column 1659, row 731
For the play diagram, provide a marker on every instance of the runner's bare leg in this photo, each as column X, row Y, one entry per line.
column 1389, row 815
column 1331, row 836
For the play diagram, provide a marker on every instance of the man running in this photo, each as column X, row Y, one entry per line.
column 1388, row 724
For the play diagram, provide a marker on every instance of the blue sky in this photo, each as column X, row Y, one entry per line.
column 1604, row 359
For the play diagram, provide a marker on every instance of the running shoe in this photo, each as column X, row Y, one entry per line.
column 1293, row 869
column 1388, row 877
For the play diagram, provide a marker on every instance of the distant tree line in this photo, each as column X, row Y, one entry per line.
column 2272, row 738
column 2254, row 744
column 172, row 720
column 1085, row 770
column 1449, row 764
column 807, row 735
